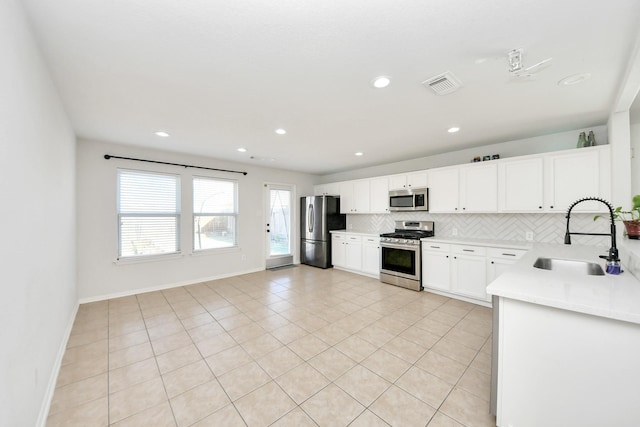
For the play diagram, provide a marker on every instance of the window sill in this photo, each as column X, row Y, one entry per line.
column 213, row 251
column 147, row 258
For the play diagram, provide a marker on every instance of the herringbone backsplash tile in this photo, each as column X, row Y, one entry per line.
column 548, row 228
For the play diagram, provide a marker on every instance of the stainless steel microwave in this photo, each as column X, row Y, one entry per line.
column 416, row 199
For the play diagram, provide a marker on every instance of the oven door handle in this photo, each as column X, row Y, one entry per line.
column 393, row 246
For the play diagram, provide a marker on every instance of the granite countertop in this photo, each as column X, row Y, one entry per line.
column 610, row 296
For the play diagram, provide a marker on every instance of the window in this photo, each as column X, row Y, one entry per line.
column 148, row 213
column 215, row 213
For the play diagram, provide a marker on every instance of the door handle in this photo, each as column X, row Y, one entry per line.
column 310, row 222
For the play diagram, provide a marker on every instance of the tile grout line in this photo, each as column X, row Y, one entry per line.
column 155, row 358
column 207, row 364
column 296, row 301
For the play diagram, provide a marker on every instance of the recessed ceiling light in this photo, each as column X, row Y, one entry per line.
column 281, row 131
column 162, row 134
column 453, row 129
column 574, row 79
column 359, row 153
column 381, row 81
column 242, row 150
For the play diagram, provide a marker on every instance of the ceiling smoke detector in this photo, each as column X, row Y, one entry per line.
column 443, row 84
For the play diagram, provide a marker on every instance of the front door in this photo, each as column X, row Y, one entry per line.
column 278, row 225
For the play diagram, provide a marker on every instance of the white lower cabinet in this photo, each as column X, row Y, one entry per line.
column 357, row 253
column 371, row 255
column 338, row 250
column 469, row 271
column 354, row 252
column 436, row 271
column 463, row 271
column 499, row 260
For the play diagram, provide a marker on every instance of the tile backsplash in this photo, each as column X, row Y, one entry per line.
column 547, row 228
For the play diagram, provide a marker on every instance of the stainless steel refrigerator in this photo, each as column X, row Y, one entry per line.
column 319, row 215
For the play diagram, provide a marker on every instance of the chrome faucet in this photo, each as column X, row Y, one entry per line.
column 612, row 258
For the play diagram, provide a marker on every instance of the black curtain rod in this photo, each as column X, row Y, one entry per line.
column 109, row 156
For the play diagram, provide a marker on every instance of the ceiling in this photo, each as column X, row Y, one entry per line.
column 219, row 75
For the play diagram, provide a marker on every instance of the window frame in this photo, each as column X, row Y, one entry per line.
column 176, row 215
column 234, row 214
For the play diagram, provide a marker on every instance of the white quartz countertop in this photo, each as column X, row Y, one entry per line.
column 358, row 232
column 511, row 244
column 611, row 296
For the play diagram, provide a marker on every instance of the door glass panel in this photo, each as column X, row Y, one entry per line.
column 280, row 222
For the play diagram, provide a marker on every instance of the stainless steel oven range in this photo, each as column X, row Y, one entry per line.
column 400, row 254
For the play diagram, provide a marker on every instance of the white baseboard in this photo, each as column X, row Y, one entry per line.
column 53, row 378
column 162, row 287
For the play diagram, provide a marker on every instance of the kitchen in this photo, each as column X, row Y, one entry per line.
column 62, row 173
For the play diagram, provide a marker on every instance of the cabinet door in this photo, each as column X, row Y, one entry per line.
column 443, row 190
column 436, row 270
column 572, row 176
column 347, row 202
column 371, row 255
column 479, row 187
column 331, row 189
column 417, row 179
column 338, row 250
column 361, row 196
column 354, row 253
column 497, row 266
column 379, row 195
column 398, row 182
column 469, row 276
column 520, row 185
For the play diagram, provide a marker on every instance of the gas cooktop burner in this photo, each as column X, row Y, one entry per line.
column 414, row 230
column 402, row 234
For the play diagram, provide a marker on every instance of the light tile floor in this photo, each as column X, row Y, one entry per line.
column 293, row 347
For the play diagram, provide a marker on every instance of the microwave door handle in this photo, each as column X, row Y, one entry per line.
column 310, row 219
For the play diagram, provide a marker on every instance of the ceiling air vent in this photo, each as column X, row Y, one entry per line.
column 443, row 84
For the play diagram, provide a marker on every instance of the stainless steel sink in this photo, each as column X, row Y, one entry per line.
column 569, row 266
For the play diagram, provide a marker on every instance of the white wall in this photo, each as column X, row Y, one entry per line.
column 37, row 172
column 520, row 147
column 99, row 276
column 635, row 160
column 619, row 135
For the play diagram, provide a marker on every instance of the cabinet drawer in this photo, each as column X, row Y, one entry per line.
column 468, row 250
column 436, row 247
column 371, row 241
column 505, row 253
column 353, row 239
column 339, row 237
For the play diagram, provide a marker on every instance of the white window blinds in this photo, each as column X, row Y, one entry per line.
column 148, row 213
column 215, row 212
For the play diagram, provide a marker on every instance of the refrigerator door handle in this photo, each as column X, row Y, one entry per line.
column 310, row 219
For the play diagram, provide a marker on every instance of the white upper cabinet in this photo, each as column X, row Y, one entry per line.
column 573, row 175
column 407, row 181
column 443, row 190
column 379, row 195
column 330, row 189
column 354, row 197
column 548, row 182
column 521, row 185
column 479, row 187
